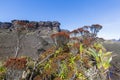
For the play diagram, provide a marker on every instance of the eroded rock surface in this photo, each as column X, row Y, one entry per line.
column 34, row 37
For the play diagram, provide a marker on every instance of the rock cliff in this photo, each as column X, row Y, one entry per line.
column 30, row 37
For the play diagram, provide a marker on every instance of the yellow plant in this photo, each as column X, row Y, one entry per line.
column 2, row 71
column 102, row 58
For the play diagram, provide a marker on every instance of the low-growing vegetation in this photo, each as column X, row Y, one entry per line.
column 76, row 55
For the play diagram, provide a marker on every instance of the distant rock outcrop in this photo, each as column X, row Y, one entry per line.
column 33, row 37
column 5, row 25
column 30, row 24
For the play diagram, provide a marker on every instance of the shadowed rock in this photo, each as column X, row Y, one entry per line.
column 32, row 25
column 55, row 24
column 5, row 25
column 34, row 37
column 41, row 23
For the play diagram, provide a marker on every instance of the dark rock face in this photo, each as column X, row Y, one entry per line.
column 34, row 37
column 55, row 24
column 41, row 23
column 19, row 23
column 5, row 25
column 48, row 24
column 30, row 25
column 24, row 21
column 51, row 25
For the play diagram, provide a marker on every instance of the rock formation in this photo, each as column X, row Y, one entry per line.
column 5, row 25
column 31, row 37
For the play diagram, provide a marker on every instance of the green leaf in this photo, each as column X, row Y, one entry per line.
column 81, row 48
column 99, row 65
column 2, row 69
column 106, row 65
column 107, row 54
column 93, row 53
column 57, row 51
column 98, row 45
column 47, row 66
column 100, row 51
column 97, row 59
column 110, row 59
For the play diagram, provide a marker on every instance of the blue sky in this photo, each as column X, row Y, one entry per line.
column 70, row 13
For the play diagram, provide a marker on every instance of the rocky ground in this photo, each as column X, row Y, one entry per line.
column 115, row 48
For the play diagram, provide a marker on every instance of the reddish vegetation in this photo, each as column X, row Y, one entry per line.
column 22, row 23
column 37, row 78
column 49, row 51
column 60, row 38
column 60, row 34
column 74, row 31
column 31, row 25
column 80, row 29
column 76, row 45
column 86, row 31
column 97, row 25
column 16, row 63
column 88, row 41
column 57, row 78
column 86, row 34
column 74, row 38
column 86, row 27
